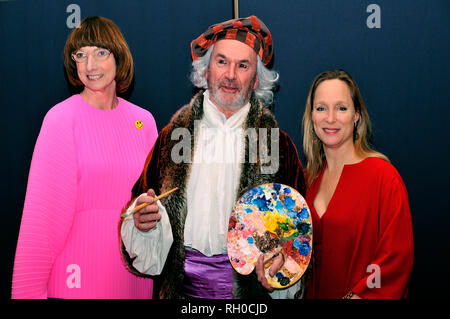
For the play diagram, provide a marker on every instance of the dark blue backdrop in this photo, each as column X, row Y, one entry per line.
column 402, row 69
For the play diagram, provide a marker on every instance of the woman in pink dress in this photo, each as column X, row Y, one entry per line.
column 89, row 153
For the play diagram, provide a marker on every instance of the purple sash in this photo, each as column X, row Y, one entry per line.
column 207, row 277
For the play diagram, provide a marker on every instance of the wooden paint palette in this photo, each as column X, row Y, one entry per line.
column 271, row 219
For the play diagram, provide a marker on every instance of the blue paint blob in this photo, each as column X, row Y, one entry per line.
column 279, row 206
column 249, row 195
column 289, row 203
column 296, row 244
column 286, row 190
column 284, row 281
column 277, row 188
column 304, row 248
column 250, row 240
column 292, row 214
column 303, row 214
column 261, row 203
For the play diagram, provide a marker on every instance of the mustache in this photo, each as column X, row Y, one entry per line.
column 230, row 83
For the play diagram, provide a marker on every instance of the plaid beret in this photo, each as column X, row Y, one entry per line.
column 250, row 31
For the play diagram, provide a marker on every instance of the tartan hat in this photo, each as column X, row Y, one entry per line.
column 250, row 31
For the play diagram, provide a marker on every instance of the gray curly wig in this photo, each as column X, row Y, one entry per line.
column 267, row 79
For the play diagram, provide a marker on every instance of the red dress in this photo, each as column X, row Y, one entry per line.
column 363, row 242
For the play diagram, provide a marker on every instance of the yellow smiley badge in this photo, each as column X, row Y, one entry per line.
column 138, row 124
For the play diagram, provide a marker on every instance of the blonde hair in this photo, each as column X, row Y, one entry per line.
column 103, row 33
column 313, row 147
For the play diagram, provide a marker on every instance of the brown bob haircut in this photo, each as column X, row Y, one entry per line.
column 103, row 33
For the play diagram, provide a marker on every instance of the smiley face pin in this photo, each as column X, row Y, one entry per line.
column 138, row 124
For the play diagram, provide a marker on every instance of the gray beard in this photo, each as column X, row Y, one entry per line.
column 236, row 104
column 239, row 102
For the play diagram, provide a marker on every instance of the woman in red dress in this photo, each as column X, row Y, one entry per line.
column 363, row 242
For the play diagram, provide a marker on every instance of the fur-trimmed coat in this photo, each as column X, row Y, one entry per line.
column 162, row 174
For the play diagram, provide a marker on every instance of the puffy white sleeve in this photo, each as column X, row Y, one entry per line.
column 150, row 249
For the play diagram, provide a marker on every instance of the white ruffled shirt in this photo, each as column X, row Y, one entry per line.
column 214, row 179
column 211, row 193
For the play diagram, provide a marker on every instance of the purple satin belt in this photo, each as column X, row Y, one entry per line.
column 207, row 277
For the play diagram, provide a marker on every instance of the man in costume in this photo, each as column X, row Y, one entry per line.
column 224, row 142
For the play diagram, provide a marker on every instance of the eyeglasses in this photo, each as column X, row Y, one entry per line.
column 99, row 55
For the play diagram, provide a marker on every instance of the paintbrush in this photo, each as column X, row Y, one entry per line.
column 124, row 215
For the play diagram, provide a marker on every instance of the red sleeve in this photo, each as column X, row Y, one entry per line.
column 388, row 273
